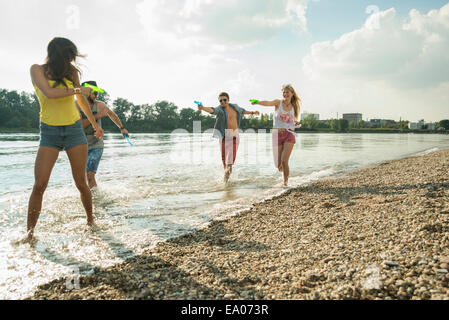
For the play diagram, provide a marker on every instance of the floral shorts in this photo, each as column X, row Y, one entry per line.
column 281, row 137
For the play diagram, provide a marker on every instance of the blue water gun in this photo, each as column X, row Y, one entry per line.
column 127, row 138
column 198, row 103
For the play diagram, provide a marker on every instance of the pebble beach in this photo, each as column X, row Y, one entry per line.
column 379, row 233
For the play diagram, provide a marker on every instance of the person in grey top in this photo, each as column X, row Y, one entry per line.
column 285, row 121
column 226, row 129
column 95, row 145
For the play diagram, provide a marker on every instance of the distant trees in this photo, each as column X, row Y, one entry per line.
column 20, row 111
column 162, row 116
column 187, row 117
column 340, row 125
column 444, row 124
column 264, row 121
column 357, row 124
column 310, row 122
column 343, row 124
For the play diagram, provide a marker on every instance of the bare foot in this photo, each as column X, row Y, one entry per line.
column 91, row 223
column 94, row 191
column 29, row 239
column 286, row 183
column 93, row 227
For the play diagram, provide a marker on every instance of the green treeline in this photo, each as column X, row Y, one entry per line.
column 310, row 123
column 164, row 116
column 20, row 112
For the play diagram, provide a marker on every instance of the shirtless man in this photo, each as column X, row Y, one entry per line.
column 227, row 129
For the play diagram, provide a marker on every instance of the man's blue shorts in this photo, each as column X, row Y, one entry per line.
column 93, row 159
column 62, row 137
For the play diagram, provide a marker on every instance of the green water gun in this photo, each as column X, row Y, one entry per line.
column 254, row 101
column 94, row 88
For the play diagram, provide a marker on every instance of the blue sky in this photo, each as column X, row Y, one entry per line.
column 329, row 19
column 388, row 63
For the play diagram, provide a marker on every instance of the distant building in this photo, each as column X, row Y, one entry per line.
column 417, row 125
column 422, row 125
column 306, row 114
column 378, row 123
column 431, row 126
column 356, row 117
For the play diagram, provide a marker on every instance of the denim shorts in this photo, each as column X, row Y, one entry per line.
column 93, row 159
column 62, row 137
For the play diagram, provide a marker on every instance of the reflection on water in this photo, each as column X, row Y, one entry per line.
column 309, row 141
column 19, row 137
column 164, row 186
column 229, row 193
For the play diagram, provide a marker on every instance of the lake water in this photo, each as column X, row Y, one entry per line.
column 164, row 186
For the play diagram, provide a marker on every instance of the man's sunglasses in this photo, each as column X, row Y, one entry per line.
column 95, row 94
column 223, row 100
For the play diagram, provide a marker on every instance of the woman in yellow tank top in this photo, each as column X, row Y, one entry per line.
column 56, row 83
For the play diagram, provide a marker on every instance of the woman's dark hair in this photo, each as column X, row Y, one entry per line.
column 61, row 52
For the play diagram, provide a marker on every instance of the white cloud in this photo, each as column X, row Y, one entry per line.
column 386, row 57
column 147, row 50
column 199, row 43
column 190, row 50
column 205, row 23
column 412, row 54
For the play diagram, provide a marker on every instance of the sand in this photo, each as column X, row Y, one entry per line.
column 377, row 233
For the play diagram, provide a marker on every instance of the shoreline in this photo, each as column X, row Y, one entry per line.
column 352, row 131
column 245, row 257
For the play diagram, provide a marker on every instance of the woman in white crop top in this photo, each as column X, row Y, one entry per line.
column 285, row 121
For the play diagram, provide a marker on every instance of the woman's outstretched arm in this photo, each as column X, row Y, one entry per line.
column 274, row 103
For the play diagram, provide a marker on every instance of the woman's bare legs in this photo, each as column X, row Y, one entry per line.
column 278, row 158
column 277, row 151
column 45, row 161
column 287, row 151
column 91, row 179
column 78, row 159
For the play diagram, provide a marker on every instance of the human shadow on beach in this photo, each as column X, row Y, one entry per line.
column 146, row 276
column 139, row 277
column 217, row 236
column 57, row 258
column 119, row 249
column 347, row 194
